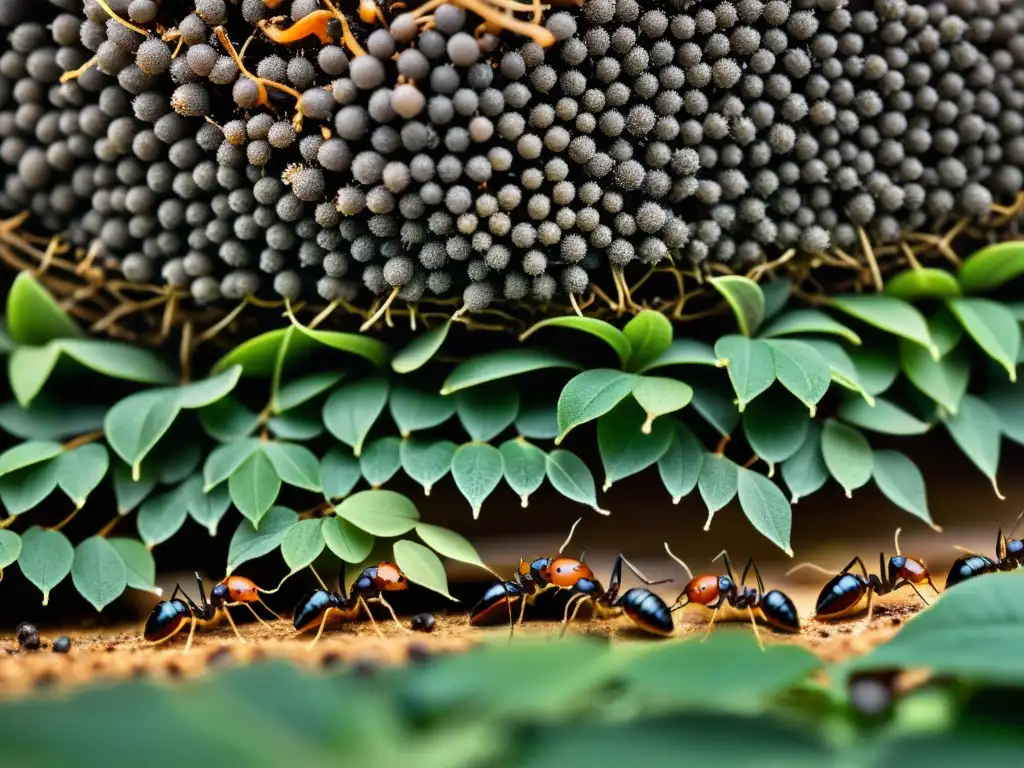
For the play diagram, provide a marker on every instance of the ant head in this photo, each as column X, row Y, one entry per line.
column 390, row 579
column 704, row 590
column 1014, row 548
column 219, row 595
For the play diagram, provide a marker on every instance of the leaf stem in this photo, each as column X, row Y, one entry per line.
column 88, row 437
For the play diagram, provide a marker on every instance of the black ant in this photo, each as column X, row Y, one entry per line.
column 1009, row 555
column 773, row 608
column 845, row 592
column 170, row 616
column 318, row 606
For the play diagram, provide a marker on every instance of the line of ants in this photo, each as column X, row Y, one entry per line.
column 846, row 594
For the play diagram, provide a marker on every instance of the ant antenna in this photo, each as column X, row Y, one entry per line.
column 896, row 541
column 1015, row 524
column 814, row 566
column 686, row 568
column 569, row 537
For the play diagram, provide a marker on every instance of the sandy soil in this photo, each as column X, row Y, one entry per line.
column 120, row 654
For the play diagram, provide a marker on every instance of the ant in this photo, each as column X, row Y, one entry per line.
column 845, row 592
column 318, row 605
column 170, row 616
column 1009, row 555
column 238, row 590
column 773, row 608
column 643, row 607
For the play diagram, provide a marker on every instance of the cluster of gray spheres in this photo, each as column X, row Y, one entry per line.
column 230, row 148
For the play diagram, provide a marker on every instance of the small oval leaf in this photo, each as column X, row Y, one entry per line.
column 975, row 429
column 224, row 460
column 800, row 321
column 339, row 473
column 485, row 412
column 254, row 486
column 26, row 454
column 902, row 483
column 992, row 266
column 80, row 470
column 206, row 507
column 775, row 425
column 847, row 455
column 649, row 334
column 33, row 316
column 421, row 566
column 140, row 569
column 680, row 465
column 45, row 559
column 352, row 409
column 382, row 513
column 160, row 517
column 418, row 352
column 750, row 364
column 415, row 409
column 136, row 423
column 449, row 544
column 766, row 508
column 603, row 330
column 381, row 460
column 922, row 283
column 659, row 395
column 537, row 421
column 99, row 572
column 301, row 391
column 302, row 544
column 717, row 483
column 349, row 543
column 885, row 417
column 589, row 395
column 477, row 469
column 802, row 370
column 10, row 548
column 294, row 464
column 624, row 446
column 891, row 315
column 249, row 543
column 426, row 462
column 503, row 364
column 746, row 299
column 683, row 352
column 805, row 471
column 571, row 478
column 993, row 327
column 525, row 467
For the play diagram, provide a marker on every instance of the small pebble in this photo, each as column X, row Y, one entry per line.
column 28, row 636
column 422, row 622
column 62, row 644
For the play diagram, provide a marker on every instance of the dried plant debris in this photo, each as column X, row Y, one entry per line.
column 490, row 148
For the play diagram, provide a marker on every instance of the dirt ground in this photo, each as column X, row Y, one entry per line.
column 120, row 654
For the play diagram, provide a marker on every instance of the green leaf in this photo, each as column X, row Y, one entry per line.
column 302, row 544
column 485, row 412
column 300, row 391
column 965, row 635
column 683, row 352
column 503, row 364
column 605, row 331
column 295, row 465
column 207, row 391
column 45, row 559
column 80, row 470
column 537, row 421
column 884, row 417
column 349, row 543
column 571, row 478
column 990, row 268
column 162, row 516
column 776, row 296
column 800, row 321
column 589, row 395
column 766, row 508
column 975, row 429
column 922, row 283
column 249, row 543
column 902, row 483
column 890, row 315
column 10, row 548
column 993, row 327
column 258, row 356
column 477, row 469
column 129, row 493
column 140, row 570
column 25, row 489
column 450, row 544
column 298, row 425
column 426, row 462
column 1007, row 401
column 339, row 473
column 945, row 329
column 34, row 317
column 6, row 342
column 746, row 299
column 254, row 486
column 225, row 460
column 28, row 369
column 367, row 347
column 680, row 465
column 715, row 405
column 659, row 395
column 382, row 513
column 206, row 508
column 26, row 454
column 775, row 425
column 847, row 455
column 750, row 364
column 174, row 459
column 717, row 483
column 136, row 423
column 99, row 572
column 415, row 409
column 352, row 409
column 805, row 471
column 843, row 372
column 649, row 334
column 381, row 460
column 118, row 360
column 227, row 420
column 944, row 381
column 802, row 370
column 625, row 448
column 525, row 467
column 418, row 352
column 421, row 566
column 876, row 367
column 49, row 420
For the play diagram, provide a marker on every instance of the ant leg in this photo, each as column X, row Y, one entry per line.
column 871, row 609
column 323, row 623
column 258, row 617
column 387, row 605
column 522, row 611
column 753, row 623
column 643, row 578
column 711, row 624
column 191, row 633
column 914, row 587
column 508, row 605
column 275, row 614
column 361, row 602
column 566, row 620
column 231, row 621
column 932, row 585
column 1000, row 545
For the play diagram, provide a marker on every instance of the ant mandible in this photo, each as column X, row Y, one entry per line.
column 1009, row 555
column 774, row 608
column 170, row 616
column 845, row 592
column 320, row 604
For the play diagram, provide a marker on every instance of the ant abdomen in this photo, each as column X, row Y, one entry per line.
column 647, row 610
column 494, row 605
column 840, row 596
column 968, row 567
column 779, row 612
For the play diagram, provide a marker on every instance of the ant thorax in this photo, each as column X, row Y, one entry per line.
column 744, row 597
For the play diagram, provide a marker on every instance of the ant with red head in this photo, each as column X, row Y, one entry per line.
column 369, row 587
column 845, row 592
column 238, row 590
column 773, row 608
column 170, row 616
column 1009, row 555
